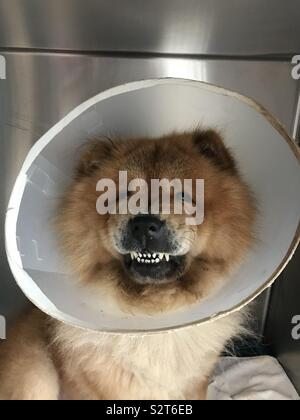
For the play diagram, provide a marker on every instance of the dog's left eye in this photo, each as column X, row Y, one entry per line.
column 123, row 195
column 184, row 197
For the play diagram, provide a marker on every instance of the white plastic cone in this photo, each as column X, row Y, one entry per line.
column 268, row 158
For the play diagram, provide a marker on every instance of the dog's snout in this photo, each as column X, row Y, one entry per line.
column 145, row 228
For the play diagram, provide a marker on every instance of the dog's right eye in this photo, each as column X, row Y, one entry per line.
column 123, row 195
column 184, row 197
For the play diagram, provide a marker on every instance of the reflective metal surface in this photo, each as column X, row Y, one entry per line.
column 41, row 88
column 214, row 27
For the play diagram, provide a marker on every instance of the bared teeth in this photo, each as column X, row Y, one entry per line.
column 149, row 258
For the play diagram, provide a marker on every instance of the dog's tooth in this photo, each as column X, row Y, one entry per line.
column 157, row 260
column 149, row 255
column 161, row 255
column 147, row 261
column 142, row 260
column 153, row 255
column 135, row 254
column 167, row 257
column 132, row 255
column 139, row 260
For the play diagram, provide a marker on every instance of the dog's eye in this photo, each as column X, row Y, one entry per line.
column 123, row 195
column 184, row 197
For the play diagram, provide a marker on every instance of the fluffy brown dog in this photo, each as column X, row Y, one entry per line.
column 144, row 263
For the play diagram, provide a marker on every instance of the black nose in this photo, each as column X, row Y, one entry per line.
column 145, row 228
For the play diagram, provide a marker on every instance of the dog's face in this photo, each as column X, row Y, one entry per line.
column 157, row 261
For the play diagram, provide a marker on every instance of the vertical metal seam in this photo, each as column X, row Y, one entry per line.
column 296, row 129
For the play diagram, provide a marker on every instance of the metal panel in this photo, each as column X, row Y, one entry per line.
column 214, row 27
column 42, row 88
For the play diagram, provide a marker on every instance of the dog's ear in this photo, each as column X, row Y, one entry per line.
column 93, row 154
column 210, row 144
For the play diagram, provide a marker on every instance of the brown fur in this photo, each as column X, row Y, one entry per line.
column 92, row 365
column 217, row 245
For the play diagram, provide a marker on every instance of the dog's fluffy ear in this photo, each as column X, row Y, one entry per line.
column 93, row 154
column 210, row 144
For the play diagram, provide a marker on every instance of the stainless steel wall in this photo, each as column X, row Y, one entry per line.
column 230, row 27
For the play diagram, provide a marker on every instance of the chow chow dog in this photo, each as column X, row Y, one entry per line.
column 143, row 263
